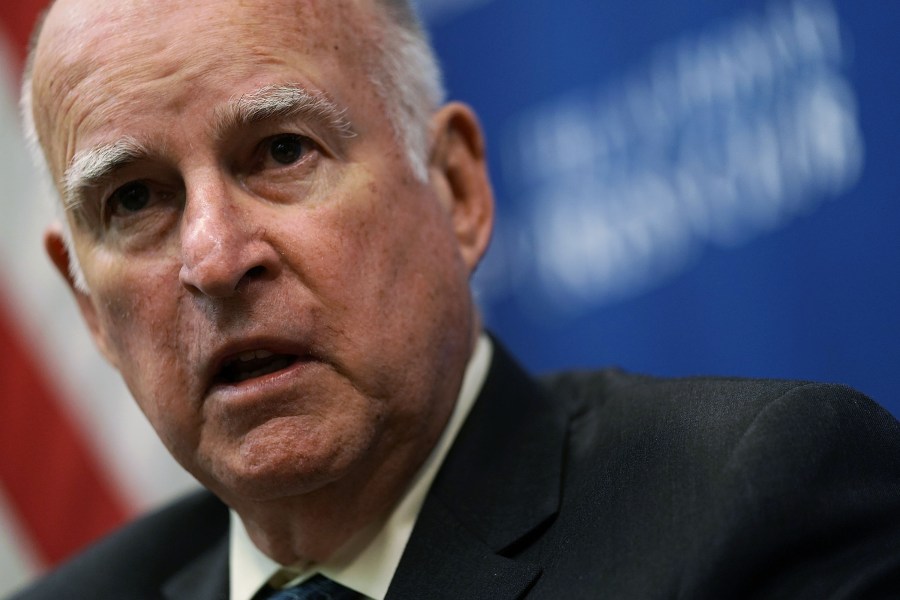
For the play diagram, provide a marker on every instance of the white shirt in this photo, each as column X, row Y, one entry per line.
column 367, row 563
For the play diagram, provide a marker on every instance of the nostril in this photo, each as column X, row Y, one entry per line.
column 255, row 272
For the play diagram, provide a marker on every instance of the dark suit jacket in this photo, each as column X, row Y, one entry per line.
column 602, row 485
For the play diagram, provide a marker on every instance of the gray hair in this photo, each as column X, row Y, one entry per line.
column 405, row 72
column 410, row 82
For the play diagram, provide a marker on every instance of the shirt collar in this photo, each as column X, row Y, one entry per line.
column 367, row 563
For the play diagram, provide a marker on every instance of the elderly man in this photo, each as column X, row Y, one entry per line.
column 270, row 226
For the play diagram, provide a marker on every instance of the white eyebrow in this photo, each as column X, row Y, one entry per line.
column 90, row 167
column 281, row 102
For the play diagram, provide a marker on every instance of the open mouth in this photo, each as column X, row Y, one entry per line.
column 252, row 364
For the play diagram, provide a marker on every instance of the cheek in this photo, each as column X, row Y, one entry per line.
column 137, row 316
column 393, row 270
column 381, row 257
column 137, row 305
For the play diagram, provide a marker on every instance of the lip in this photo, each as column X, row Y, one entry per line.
column 260, row 399
column 225, row 354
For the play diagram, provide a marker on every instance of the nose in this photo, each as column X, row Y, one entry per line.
column 223, row 242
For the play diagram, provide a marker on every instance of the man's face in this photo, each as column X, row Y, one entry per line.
column 288, row 304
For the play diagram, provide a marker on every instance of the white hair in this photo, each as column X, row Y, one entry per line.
column 409, row 81
column 405, row 73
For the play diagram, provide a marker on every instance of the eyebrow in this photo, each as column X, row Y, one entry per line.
column 91, row 167
column 282, row 102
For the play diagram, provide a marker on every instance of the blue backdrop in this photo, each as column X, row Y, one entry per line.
column 689, row 187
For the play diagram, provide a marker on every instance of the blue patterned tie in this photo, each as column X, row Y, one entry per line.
column 317, row 587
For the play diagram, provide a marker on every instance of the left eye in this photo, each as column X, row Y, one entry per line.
column 288, row 149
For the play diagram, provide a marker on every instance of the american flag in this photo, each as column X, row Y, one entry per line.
column 76, row 456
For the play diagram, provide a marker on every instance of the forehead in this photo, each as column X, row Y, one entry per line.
column 99, row 63
column 79, row 28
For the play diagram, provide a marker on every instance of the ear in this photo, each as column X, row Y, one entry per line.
column 56, row 248
column 458, row 170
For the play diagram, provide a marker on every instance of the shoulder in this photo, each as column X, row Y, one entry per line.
column 613, row 386
column 710, row 426
column 764, row 485
column 142, row 555
column 727, row 407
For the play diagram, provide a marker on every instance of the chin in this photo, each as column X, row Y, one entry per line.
column 277, row 461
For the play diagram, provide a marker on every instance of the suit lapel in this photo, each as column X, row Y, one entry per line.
column 498, row 485
column 443, row 560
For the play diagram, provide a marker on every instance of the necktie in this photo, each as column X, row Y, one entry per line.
column 318, row 587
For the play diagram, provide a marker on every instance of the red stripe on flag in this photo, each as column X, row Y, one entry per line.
column 17, row 17
column 52, row 479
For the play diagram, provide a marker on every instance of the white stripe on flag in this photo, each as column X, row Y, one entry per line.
column 18, row 562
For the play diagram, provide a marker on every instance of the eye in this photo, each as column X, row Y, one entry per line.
column 287, row 149
column 130, row 198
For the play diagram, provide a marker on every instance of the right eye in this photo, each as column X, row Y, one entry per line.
column 141, row 211
column 128, row 199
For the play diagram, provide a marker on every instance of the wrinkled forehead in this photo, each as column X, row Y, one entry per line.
column 91, row 51
column 76, row 30
column 69, row 21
